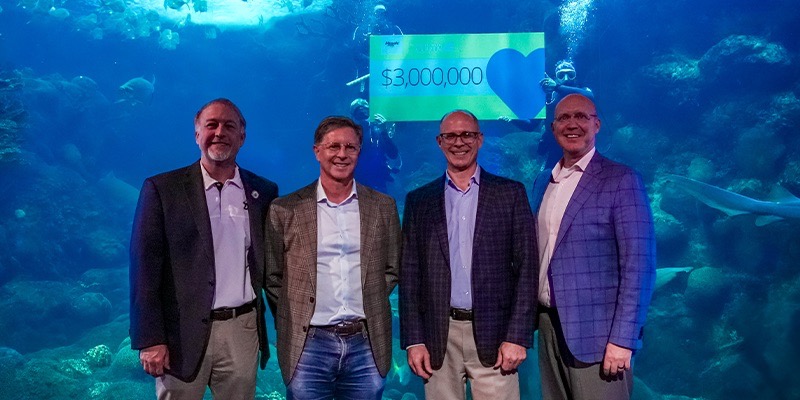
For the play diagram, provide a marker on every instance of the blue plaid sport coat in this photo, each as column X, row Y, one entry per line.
column 603, row 264
column 504, row 278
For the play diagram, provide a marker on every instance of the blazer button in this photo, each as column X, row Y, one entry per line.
column 205, row 321
column 305, row 328
column 210, row 283
column 311, row 299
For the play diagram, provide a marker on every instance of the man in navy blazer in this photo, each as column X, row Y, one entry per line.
column 197, row 267
column 468, row 277
column 597, row 263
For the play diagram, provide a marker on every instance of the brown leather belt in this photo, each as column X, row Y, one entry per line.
column 343, row 328
column 460, row 314
column 222, row 314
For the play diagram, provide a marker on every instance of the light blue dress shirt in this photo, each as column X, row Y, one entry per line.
column 230, row 230
column 339, row 294
column 461, row 207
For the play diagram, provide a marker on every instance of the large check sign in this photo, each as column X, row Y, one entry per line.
column 422, row 77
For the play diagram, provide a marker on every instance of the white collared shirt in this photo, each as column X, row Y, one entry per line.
column 556, row 198
column 230, row 230
column 339, row 294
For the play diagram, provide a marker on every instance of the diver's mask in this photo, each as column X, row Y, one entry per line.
column 565, row 72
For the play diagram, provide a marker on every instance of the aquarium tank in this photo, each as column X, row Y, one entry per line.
column 700, row 97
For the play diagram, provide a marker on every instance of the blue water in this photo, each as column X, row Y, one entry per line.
column 705, row 89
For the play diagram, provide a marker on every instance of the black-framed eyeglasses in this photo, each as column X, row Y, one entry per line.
column 578, row 116
column 468, row 137
column 336, row 147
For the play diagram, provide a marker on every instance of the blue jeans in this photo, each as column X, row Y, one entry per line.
column 337, row 367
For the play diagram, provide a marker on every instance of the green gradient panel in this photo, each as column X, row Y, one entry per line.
column 422, row 77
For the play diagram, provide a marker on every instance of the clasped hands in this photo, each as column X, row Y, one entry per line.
column 509, row 357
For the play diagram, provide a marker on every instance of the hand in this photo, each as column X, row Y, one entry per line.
column 616, row 360
column 504, row 118
column 154, row 359
column 548, row 85
column 510, row 356
column 420, row 361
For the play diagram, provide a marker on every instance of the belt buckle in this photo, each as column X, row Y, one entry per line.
column 459, row 314
column 347, row 327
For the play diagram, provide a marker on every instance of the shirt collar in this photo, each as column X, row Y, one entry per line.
column 474, row 179
column 560, row 173
column 208, row 181
column 322, row 197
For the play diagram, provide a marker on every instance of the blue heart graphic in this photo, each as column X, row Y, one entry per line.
column 515, row 79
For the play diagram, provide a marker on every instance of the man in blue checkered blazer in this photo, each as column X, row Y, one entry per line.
column 597, row 263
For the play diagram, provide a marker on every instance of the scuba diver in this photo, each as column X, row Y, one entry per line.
column 565, row 83
column 379, row 157
column 376, row 24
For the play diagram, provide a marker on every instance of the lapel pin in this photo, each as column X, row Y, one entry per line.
column 254, row 194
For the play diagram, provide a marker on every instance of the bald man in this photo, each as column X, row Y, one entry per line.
column 468, row 278
column 596, row 245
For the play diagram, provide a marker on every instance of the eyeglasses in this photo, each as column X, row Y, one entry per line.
column 336, row 147
column 578, row 116
column 466, row 136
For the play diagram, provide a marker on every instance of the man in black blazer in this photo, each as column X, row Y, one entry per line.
column 197, row 267
column 468, row 278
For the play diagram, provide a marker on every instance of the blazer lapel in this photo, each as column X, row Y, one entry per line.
column 486, row 197
column 439, row 215
column 252, row 202
column 586, row 187
column 254, row 216
column 306, row 219
column 196, row 196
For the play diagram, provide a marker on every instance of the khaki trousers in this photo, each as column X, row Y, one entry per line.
column 228, row 367
column 461, row 363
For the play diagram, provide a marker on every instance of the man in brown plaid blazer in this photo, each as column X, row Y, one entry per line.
column 333, row 256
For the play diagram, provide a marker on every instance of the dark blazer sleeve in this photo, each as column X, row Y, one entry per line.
column 525, row 261
column 148, row 259
column 411, row 331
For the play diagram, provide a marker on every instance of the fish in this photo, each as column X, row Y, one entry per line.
column 85, row 82
column 782, row 204
column 175, row 4
column 667, row 275
column 58, row 13
column 118, row 192
column 137, row 91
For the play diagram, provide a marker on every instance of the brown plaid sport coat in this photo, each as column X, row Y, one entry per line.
column 291, row 268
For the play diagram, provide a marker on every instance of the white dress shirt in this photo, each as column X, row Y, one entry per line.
column 556, row 198
column 230, row 230
column 339, row 294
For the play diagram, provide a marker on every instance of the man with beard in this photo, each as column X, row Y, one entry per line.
column 197, row 267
